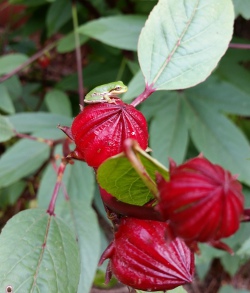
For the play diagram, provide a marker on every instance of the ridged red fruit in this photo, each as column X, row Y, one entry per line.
column 142, row 258
column 100, row 129
column 202, row 201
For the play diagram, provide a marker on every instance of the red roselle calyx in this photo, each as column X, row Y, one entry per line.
column 142, row 258
column 202, row 201
column 100, row 129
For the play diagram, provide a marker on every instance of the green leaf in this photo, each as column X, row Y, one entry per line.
column 78, row 183
column 13, row 86
column 46, row 258
column 168, row 129
column 120, row 31
column 58, row 102
column 58, row 14
column 231, row 289
column 5, row 100
column 218, row 138
column 21, row 160
column 30, row 122
column 242, row 8
column 231, row 264
column 119, row 178
column 183, row 41
column 67, row 44
column 10, row 194
column 135, row 87
column 6, row 129
column 11, row 61
column 223, row 95
column 28, row 2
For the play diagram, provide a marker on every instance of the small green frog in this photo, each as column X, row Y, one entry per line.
column 102, row 93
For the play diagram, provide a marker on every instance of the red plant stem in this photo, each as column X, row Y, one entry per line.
column 78, row 54
column 129, row 210
column 239, row 46
column 144, row 95
column 60, row 172
column 29, row 61
column 30, row 137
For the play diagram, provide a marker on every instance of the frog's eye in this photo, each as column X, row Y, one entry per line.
column 118, row 88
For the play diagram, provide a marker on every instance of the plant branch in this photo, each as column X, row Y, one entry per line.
column 28, row 62
column 144, row 95
column 130, row 150
column 60, row 172
column 239, row 46
column 78, row 54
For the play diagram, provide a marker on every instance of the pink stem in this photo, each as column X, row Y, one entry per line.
column 239, row 46
column 29, row 61
column 60, row 172
column 143, row 96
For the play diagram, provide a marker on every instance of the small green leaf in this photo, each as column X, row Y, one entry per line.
column 5, row 100
column 6, row 129
column 218, row 138
column 21, row 160
column 10, row 194
column 13, row 86
column 118, row 31
column 119, row 178
column 183, row 41
column 46, row 258
column 67, row 44
column 58, row 14
column 11, row 61
column 30, row 122
column 58, row 102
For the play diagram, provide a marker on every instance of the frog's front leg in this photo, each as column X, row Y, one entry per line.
column 108, row 99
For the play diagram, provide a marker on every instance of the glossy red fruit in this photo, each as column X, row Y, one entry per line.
column 142, row 258
column 202, row 201
column 100, row 129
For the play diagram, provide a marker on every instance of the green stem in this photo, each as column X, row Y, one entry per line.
column 78, row 54
column 130, row 149
column 121, row 69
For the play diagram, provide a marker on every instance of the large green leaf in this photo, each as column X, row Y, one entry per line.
column 182, row 41
column 120, row 31
column 117, row 176
column 38, row 253
column 5, row 100
column 58, row 102
column 223, row 95
column 13, row 86
column 21, row 160
column 135, row 87
column 10, row 194
column 11, row 61
column 231, row 289
column 168, row 129
column 58, row 14
column 242, row 7
column 218, row 138
column 6, row 129
column 78, row 183
column 30, row 122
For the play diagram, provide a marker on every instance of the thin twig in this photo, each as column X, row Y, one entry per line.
column 239, row 46
column 78, row 54
column 28, row 62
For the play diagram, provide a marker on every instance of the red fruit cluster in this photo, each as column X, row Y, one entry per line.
column 100, row 129
column 142, row 258
column 44, row 61
column 202, row 201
